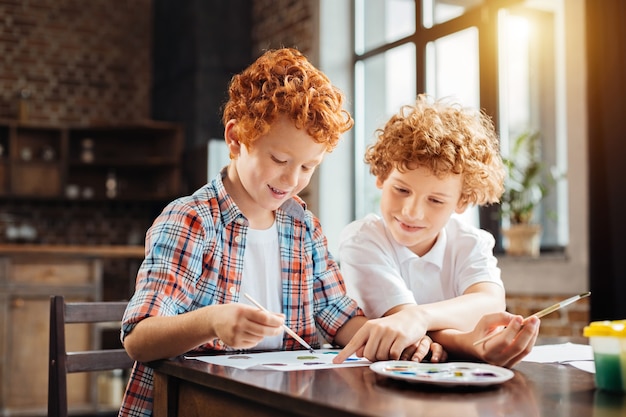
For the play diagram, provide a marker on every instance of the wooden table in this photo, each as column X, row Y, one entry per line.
column 194, row 388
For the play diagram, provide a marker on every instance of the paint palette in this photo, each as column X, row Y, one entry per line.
column 449, row 373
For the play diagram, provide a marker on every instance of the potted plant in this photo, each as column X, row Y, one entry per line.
column 527, row 183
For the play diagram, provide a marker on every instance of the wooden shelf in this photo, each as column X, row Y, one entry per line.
column 129, row 162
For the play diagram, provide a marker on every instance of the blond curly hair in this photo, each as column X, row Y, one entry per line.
column 446, row 139
column 283, row 82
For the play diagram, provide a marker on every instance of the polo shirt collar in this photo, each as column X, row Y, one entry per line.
column 434, row 256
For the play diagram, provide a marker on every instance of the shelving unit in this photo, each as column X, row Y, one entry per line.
column 36, row 156
column 131, row 162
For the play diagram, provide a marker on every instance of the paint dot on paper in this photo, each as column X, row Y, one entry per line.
column 274, row 364
column 240, row 357
column 314, row 363
column 304, row 358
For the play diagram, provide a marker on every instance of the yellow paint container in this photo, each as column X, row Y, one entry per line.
column 608, row 341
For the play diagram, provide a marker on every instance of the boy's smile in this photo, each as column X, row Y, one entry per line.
column 416, row 205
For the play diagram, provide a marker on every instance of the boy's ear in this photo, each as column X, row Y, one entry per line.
column 232, row 141
column 379, row 183
column 461, row 207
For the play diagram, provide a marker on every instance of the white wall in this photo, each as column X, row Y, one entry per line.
column 336, row 179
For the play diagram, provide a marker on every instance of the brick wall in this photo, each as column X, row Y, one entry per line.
column 75, row 61
column 283, row 23
column 568, row 321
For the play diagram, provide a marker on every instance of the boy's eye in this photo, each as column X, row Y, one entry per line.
column 401, row 190
column 436, row 201
column 278, row 161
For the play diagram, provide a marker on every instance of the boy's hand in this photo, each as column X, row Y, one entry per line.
column 511, row 345
column 385, row 338
column 425, row 349
column 241, row 326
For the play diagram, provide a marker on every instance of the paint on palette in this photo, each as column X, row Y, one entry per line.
column 440, row 373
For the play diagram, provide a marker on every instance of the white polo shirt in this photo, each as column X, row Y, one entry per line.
column 381, row 274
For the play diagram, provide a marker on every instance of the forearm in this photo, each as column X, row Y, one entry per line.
column 348, row 330
column 463, row 312
column 165, row 337
column 457, row 344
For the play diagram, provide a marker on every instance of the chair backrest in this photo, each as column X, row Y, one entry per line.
column 62, row 362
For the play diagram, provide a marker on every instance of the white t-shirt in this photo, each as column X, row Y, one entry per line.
column 262, row 278
column 381, row 274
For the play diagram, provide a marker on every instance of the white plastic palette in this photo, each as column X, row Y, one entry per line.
column 450, row 373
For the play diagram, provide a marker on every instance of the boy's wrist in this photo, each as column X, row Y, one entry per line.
column 423, row 316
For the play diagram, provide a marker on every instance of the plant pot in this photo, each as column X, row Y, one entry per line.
column 522, row 240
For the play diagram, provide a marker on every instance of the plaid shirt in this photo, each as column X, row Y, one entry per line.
column 194, row 258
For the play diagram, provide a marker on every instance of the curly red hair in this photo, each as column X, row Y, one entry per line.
column 283, row 82
column 446, row 139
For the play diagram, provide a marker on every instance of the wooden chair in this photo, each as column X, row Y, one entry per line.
column 62, row 362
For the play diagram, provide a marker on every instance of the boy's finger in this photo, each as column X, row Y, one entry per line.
column 344, row 353
column 266, row 318
column 350, row 348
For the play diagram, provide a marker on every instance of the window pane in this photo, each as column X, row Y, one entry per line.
column 378, row 22
column 528, row 95
column 384, row 83
column 453, row 73
column 439, row 11
column 453, row 69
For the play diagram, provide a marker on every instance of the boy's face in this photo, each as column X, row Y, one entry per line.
column 416, row 205
column 277, row 166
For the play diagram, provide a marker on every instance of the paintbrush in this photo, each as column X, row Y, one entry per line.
column 287, row 329
column 541, row 313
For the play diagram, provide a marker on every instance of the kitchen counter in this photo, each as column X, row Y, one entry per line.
column 99, row 251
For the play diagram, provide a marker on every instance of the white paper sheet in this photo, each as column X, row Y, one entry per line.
column 577, row 355
column 283, row 361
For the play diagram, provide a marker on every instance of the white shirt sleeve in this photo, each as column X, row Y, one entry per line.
column 473, row 257
column 370, row 268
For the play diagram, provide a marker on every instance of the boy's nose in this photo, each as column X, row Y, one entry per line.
column 290, row 177
column 414, row 210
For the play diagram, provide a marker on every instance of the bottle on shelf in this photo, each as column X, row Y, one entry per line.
column 87, row 155
column 111, row 185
